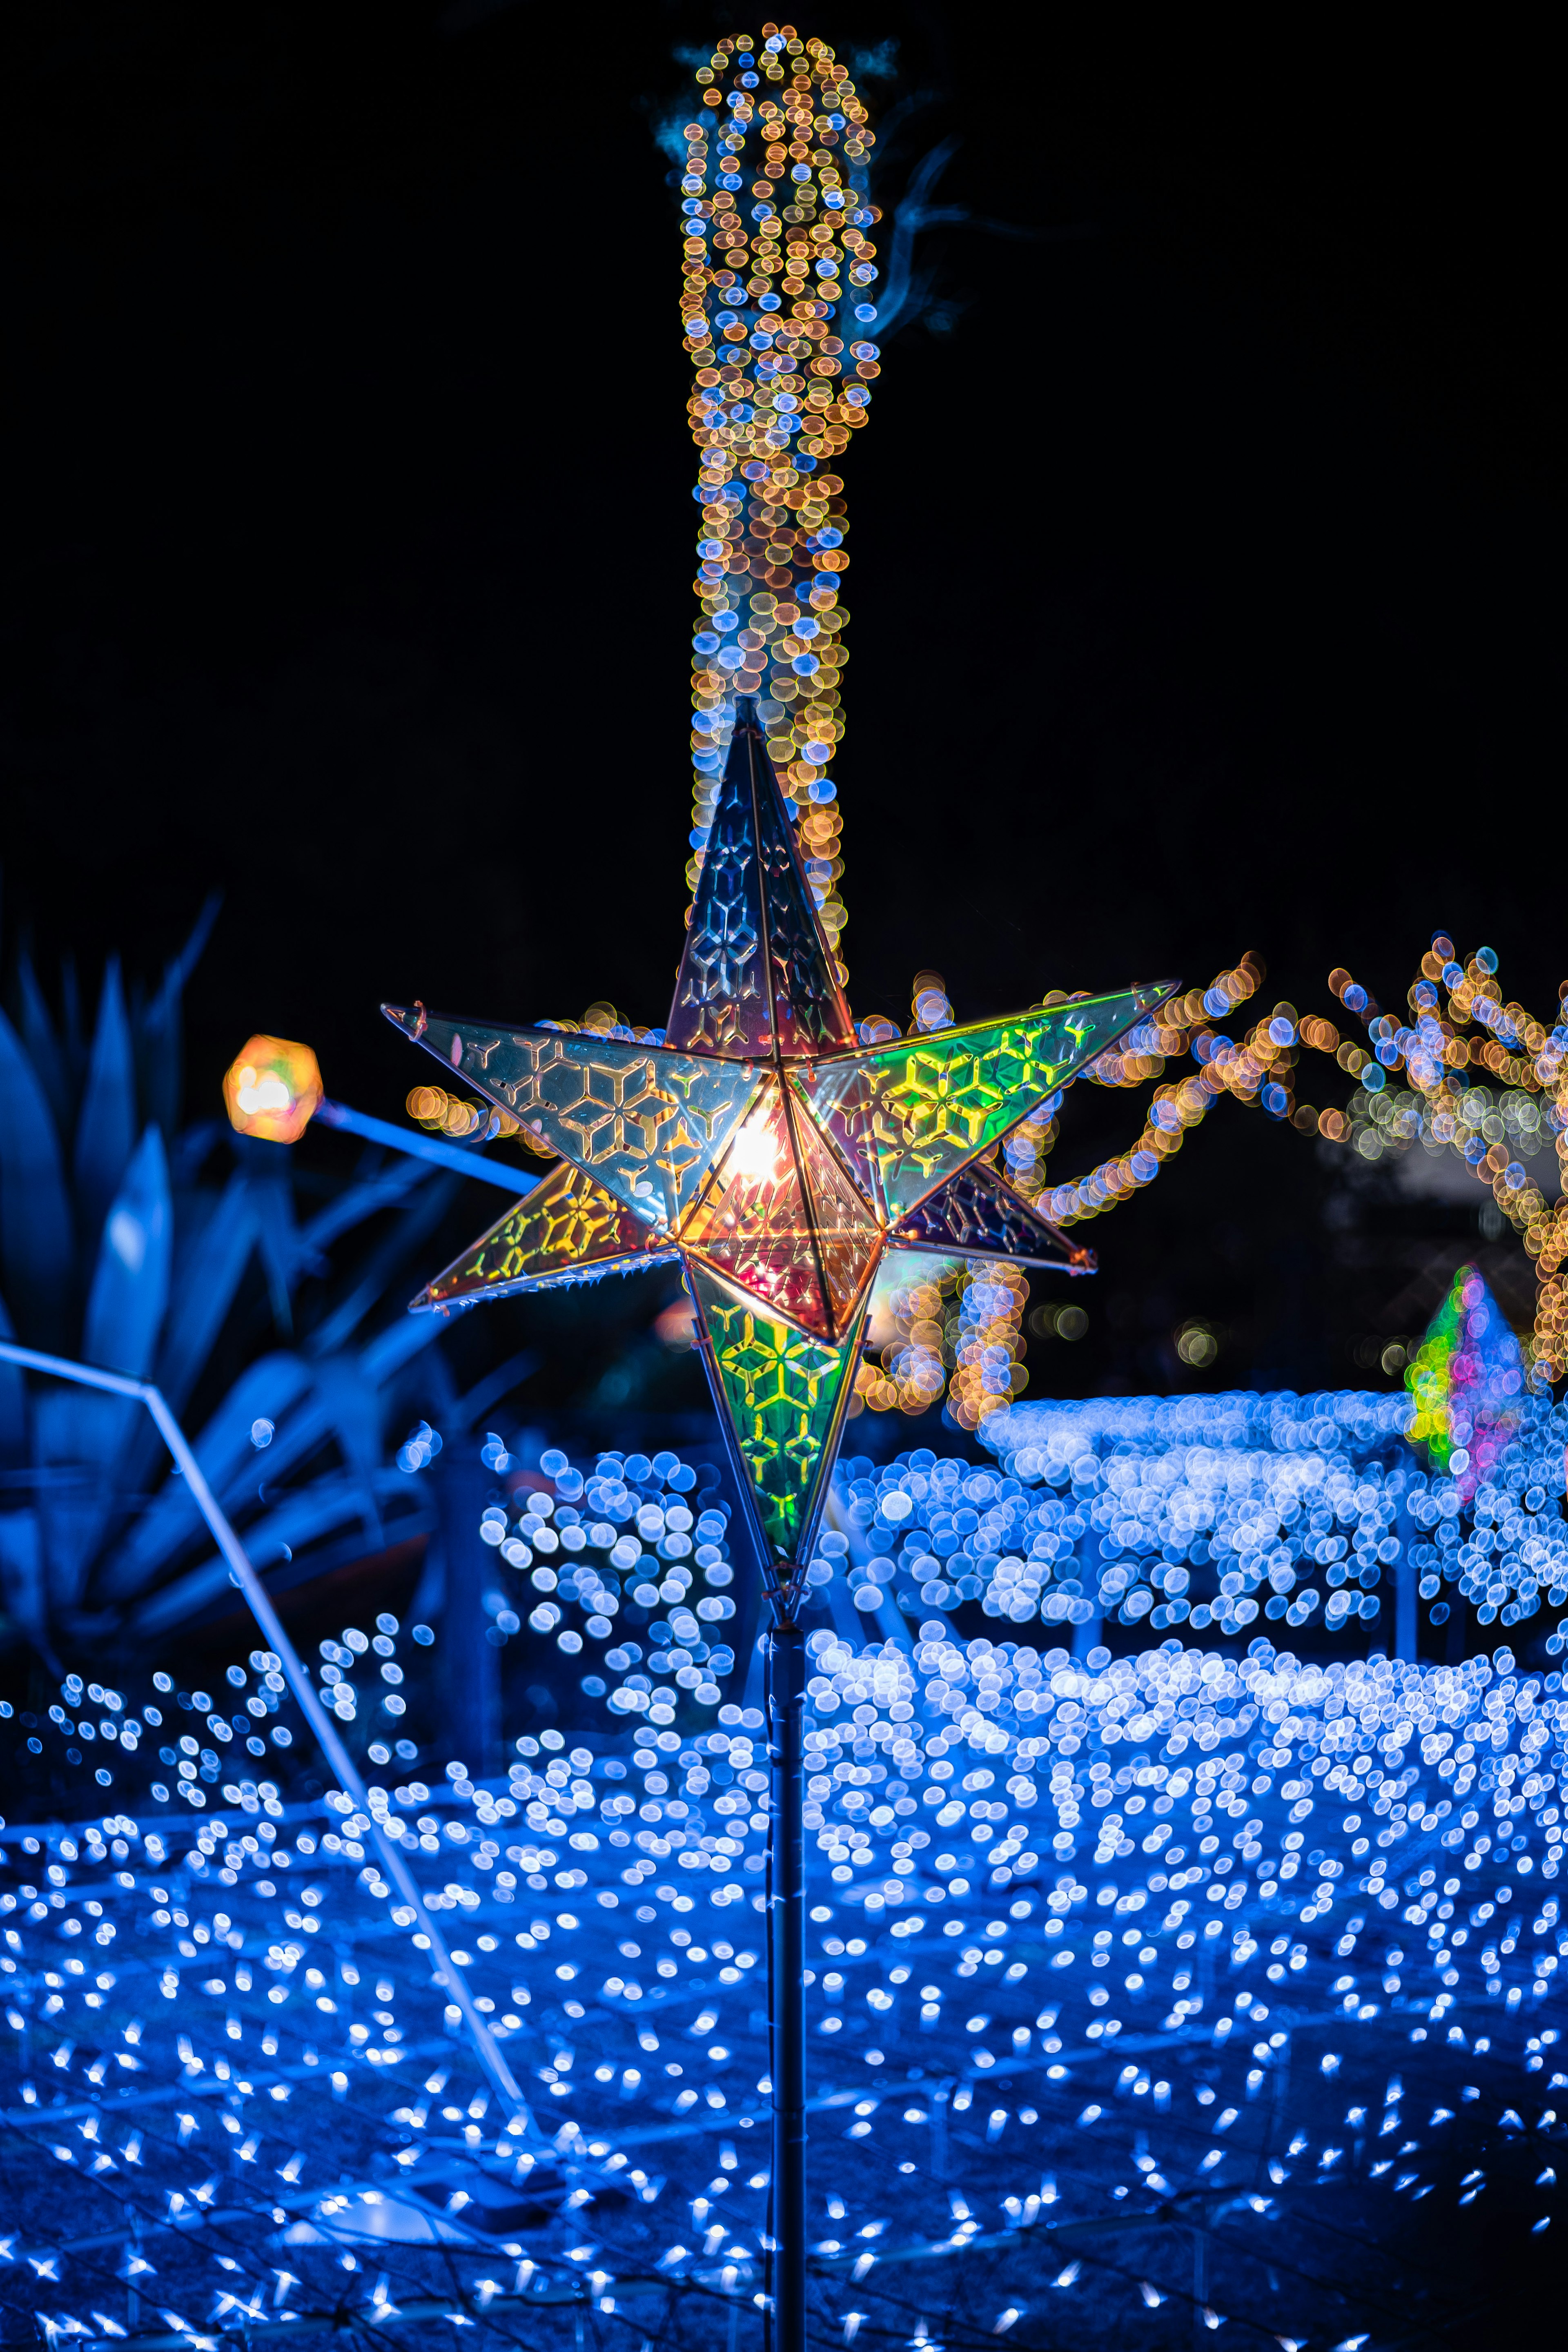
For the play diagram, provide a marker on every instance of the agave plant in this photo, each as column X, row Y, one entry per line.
column 128, row 1243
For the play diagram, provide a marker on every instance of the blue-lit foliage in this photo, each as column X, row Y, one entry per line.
column 127, row 1240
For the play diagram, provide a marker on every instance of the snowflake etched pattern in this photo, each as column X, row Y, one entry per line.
column 911, row 1114
column 566, row 1230
column 785, row 1395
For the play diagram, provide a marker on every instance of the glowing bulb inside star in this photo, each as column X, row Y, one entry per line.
column 754, row 1152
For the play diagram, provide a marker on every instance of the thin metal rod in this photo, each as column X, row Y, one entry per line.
column 486, row 2047
column 424, row 1147
column 786, row 1979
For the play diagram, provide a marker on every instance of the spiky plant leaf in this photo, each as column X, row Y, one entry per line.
column 106, row 1116
column 37, row 1259
column 263, row 1391
column 130, row 1293
column 159, row 1031
column 206, row 1274
column 352, row 1405
column 303, row 1517
column 13, row 1443
column 22, row 1583
column 44, row 1049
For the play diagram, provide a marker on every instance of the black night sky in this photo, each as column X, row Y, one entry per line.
column 1203, row 572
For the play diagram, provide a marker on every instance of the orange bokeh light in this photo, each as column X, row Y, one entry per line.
column 272, row 1089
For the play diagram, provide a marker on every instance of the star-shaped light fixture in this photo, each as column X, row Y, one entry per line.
column 768, row 1151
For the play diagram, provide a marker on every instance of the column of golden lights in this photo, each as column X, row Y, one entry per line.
column 778, row 268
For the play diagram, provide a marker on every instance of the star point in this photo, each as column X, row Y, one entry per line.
column 766, row 1151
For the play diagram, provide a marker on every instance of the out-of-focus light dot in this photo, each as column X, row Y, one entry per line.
column 271, row 1090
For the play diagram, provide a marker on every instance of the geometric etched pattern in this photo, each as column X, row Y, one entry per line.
column 764, row 1149
column 756, row 975
column 785, row 1395
column 910, row 1114
column 567, row 1229
column 977, row 1213
column 645, row 1122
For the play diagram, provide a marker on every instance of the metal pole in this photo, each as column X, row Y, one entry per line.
column 486, row 2048
column 786, row 1979
column 415, row 1146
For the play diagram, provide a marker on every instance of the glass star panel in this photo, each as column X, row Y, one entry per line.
column 568, row 1229
column 914, row 1112
column 757, row 974
column 753, row 1224
column 644, row 1123
column 839, row 1097
column 848, row 1236
column 783, row 1394
column 977, row 1213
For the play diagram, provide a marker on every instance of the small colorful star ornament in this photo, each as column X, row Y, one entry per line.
column 767, row 1151
column 1469, row 1378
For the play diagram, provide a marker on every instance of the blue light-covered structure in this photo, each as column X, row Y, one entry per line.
column 1221, row 1511
column 1119, row 1962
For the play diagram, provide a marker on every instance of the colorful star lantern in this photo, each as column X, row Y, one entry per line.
column 762, row 1145
column 1467, row 1378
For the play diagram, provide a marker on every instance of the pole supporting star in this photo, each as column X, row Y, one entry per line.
column 767, row 1151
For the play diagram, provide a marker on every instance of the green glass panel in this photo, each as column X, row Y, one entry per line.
column 915, row 1112
column 644, row 1123
column 785, row 1395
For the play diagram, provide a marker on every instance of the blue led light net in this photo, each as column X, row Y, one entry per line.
column 1112, row 1957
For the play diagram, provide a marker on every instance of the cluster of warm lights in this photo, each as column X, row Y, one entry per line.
column 1457, row 1035
column 779, row 261
column 1458, row 1028
column 944, row 1315
column 1183, row 1025
column 460, row 1117
column 942, row 1324
column 932, row 1316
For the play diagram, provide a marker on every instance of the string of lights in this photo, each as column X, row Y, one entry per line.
column 1487, row 1083
column 940, row 1323
column 778, row 305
